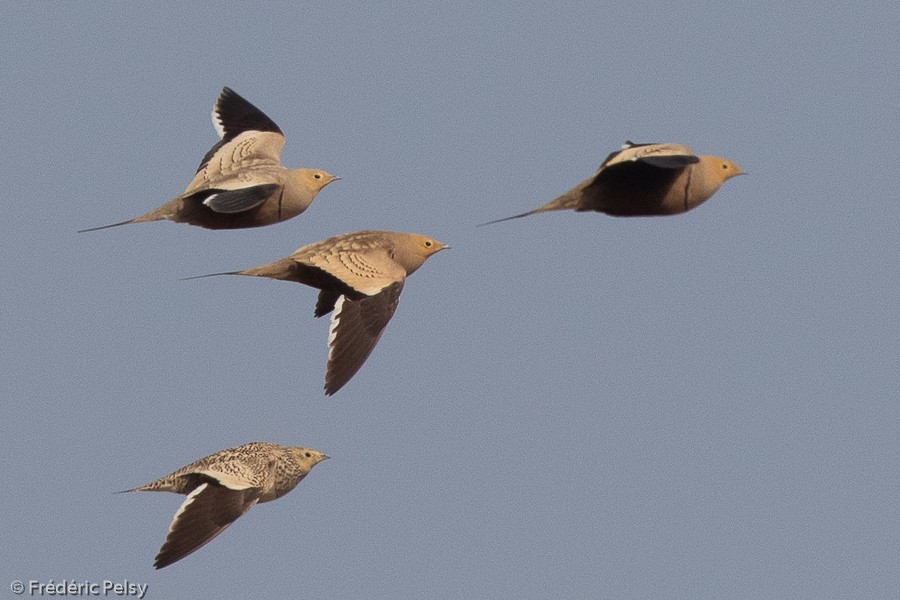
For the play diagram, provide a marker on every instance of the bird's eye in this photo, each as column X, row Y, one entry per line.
column 308, row 455
column 318, row 176
column 428, row 243
column 725, row 166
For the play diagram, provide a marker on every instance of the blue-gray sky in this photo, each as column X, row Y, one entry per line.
column 569, row 405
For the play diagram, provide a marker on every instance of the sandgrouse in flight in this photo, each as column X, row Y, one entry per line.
column 241, row 182
column 645, row 180
column 223, row 486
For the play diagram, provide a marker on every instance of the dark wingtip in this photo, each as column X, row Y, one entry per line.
column 236, row 115
column 330, row 389
column 333, row 385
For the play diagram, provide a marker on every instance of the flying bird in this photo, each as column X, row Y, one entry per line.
column 240, row 182
column 359, row 276
column 223, row 486
column 645, row 180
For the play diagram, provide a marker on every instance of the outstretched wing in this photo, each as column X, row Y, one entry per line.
column 232, row 115
column 205, row 513
column 356, row 326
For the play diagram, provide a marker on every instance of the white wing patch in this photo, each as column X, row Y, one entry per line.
column 187, row 502
column 332, row 328
column 230, row 480
column 372, row 291
column 217, row 123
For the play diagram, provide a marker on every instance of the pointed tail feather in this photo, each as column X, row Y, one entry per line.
column 167, row 212
column 107, row 226
column 280, row 269
column 519, row 216
column 147, row 487
column 567, row 201
column 212, row 275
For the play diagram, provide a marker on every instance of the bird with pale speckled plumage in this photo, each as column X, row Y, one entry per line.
column 223, row 486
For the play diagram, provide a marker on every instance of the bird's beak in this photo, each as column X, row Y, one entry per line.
column 324, row 456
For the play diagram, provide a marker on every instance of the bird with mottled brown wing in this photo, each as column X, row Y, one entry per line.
column 359, row 276
column 223, row 486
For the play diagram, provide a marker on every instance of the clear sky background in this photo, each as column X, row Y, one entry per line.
column 569, row 405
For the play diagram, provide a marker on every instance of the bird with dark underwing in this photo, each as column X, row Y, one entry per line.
column 241, row 182
column 645, row 180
